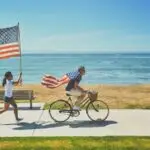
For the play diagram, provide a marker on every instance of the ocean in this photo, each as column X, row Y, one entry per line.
column 100, row 68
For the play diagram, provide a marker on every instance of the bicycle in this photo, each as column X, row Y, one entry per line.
column 62, row 110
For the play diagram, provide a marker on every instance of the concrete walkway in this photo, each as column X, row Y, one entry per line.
column 38, row 123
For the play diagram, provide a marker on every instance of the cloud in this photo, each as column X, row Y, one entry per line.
column 92, row 41
column 76, row 42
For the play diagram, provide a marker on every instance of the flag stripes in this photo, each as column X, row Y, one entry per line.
column 52, row 82
column 9, row 50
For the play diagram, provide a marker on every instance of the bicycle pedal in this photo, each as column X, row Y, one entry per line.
column 75, row 113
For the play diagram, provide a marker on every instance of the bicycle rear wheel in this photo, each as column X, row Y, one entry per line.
column 60, row 111
column 97, row 110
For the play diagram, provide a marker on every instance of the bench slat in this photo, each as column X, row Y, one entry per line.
column 19, row 94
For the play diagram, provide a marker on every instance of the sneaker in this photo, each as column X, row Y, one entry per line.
column 76, row 108
column 19, row 119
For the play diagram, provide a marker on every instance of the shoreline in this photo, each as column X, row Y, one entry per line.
column 128, row 96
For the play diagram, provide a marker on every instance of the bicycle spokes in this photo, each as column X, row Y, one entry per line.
column 60, row 111
column 97, row 110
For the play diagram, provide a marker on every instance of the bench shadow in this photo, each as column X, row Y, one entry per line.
column 71, row 124
column 27, row 108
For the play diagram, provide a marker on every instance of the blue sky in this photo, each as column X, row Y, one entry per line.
column 78, row 26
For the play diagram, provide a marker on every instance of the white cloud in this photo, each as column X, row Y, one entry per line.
column 60, row 43
column 93, row 41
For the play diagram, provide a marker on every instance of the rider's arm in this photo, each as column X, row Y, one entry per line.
column 76, row 86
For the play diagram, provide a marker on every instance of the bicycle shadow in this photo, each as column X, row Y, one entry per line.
column 91, row 124
column 71, row 124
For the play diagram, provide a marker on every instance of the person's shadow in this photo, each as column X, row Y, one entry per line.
column 71, row 124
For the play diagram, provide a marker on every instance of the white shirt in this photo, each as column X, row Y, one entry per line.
column 9, row 88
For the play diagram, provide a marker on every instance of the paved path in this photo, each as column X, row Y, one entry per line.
column 119, row 122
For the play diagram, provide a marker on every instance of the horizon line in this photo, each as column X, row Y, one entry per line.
column 90, row 53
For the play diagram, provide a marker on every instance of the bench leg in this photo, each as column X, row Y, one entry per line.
column 30, row 103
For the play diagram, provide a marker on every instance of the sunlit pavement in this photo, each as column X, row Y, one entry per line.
column 37, row 122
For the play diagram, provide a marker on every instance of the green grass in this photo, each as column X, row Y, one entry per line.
column 75, row 143
column 23, row 101
column 47, row 105
column 26, row 101
column 133, row 106
column 136, row 106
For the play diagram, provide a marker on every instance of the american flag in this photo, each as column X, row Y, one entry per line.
column 9, row 42
column 53, row 82
column 50, row 81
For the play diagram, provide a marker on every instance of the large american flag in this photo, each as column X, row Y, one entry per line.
column 9, row 42
column 50, row 81
column 53, row 82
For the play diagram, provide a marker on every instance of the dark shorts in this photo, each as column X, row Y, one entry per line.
column 11, row 101
column 8, row 99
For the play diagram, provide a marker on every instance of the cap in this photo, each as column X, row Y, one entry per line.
column 81, row 68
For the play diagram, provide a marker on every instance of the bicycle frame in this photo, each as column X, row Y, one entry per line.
column 87, row 103
column 83, row 102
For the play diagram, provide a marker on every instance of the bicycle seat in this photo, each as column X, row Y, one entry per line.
column 68, row 95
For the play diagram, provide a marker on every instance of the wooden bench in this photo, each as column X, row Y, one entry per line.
column 20, row 95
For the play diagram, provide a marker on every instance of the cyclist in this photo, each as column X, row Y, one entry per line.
column 74, row 89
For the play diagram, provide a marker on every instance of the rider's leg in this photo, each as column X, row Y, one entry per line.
column 79, row 99
column 78, row 95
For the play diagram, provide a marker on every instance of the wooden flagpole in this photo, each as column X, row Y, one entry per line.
column 19, row 41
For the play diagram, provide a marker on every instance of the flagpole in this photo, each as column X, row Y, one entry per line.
column 20, row 67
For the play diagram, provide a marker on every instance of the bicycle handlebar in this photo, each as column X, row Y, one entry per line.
column 88, row 91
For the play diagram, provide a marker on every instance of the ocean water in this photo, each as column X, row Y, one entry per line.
column 101, row 68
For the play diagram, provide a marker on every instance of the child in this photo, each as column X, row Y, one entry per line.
column 8, row 95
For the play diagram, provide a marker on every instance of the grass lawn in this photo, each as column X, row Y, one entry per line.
column 75, row 143
column 128, row 106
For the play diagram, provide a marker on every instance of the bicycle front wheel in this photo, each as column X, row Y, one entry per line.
column 60, row 111
column 97, row 110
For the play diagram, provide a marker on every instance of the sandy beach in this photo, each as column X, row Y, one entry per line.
column 131, row 96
